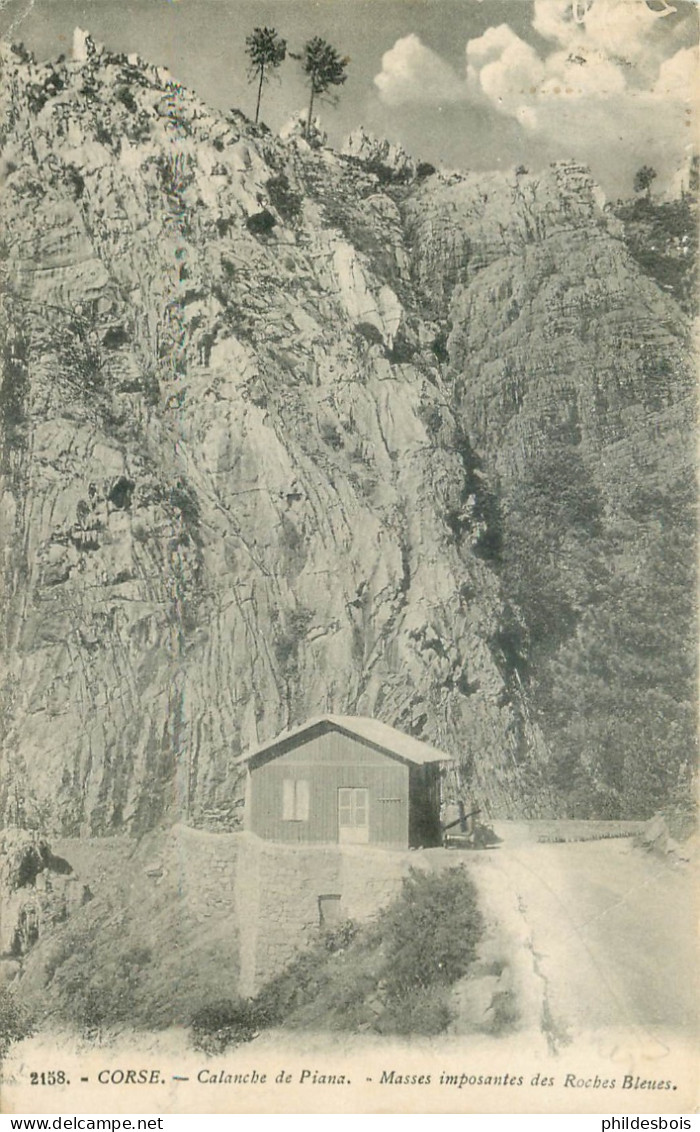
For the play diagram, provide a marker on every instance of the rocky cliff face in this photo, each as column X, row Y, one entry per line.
column 553, row 331
column 571, row 373
column 241, row 451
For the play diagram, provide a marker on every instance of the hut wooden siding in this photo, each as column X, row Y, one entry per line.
column 307, row 784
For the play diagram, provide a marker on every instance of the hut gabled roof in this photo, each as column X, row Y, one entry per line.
column 396, row 744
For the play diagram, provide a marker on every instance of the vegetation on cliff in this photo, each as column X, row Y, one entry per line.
column 607, row 648
column 662, row 237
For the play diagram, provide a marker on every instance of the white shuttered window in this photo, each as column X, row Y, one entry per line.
column 295, row 799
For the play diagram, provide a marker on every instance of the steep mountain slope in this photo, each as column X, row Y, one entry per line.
column 572, row 374
column 241, row 452
column 223, row 508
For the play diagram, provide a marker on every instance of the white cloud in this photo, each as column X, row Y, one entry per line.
column 492, row 44
column 510, row 74
column 503, row 67
column 599, row 47
column 555, row 19
column 615, row 27
column 413, row 73
column 610, row 82
column 678, row 75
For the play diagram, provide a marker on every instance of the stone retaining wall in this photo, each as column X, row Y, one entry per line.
column 278, row 888
column 265, row 893
column 271, row 891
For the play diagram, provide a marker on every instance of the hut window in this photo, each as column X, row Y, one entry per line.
column 295, row 799
column 353, row 814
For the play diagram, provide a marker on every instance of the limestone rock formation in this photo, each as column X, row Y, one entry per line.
column 386, row 158
column 244, row 384
column 572, row 376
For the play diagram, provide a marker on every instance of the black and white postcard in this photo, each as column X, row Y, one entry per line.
column 347, row 518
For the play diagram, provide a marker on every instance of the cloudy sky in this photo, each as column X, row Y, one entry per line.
column 467, row 83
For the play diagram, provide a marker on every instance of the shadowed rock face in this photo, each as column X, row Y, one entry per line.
column 572, row 379
column 236, row 478
column 37, row 891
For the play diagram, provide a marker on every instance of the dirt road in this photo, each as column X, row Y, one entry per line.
column 611, row 931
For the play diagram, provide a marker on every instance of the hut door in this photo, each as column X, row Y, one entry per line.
column 353, row 815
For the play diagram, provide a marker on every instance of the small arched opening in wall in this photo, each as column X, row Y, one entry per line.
column 329, row 910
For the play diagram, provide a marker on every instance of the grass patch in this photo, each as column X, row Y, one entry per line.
column 15, row 1022
column 217, row 1027
column 568, row 830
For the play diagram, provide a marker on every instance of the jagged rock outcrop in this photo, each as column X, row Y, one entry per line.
column 239, row 473
column 296, row 128
column 387, row 159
